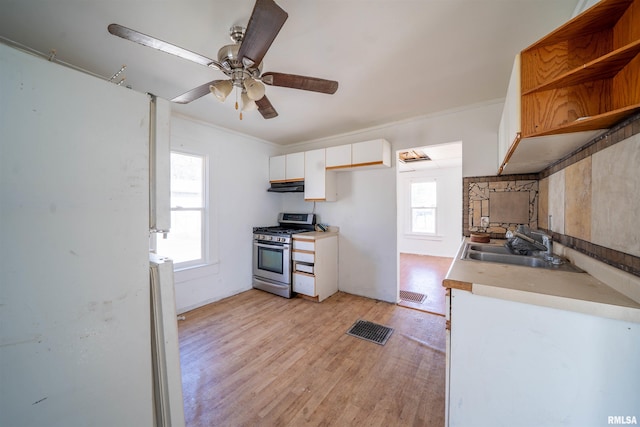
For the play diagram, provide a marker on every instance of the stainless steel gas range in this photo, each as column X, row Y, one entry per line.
column 272, row 252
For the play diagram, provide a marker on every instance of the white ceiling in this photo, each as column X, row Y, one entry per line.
column 441, row 156
column 394, row 59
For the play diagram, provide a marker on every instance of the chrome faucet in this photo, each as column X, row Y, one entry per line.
column 546, row 240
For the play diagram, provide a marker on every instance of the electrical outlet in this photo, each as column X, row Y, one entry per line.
column 484, row 221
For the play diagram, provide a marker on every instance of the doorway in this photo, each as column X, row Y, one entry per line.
column 429, row 212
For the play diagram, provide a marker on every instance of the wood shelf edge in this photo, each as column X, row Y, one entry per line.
column 288, row 180
column 355, row 165
column 510, row 151
column 457, row 284
column 358, row 165
column 600, row 121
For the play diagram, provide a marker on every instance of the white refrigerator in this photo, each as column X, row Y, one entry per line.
column 75, row 303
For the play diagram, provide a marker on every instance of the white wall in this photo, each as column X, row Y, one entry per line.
column 449, row 213
column 238, row 179
column 366, row 207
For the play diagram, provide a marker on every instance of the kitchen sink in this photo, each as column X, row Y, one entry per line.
column 502, row 255
column 492, row 249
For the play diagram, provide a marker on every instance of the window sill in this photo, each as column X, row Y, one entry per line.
column 194, row 272
column 418, row 236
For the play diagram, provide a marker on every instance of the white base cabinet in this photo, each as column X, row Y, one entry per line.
column 315, row 264
column 520, row 364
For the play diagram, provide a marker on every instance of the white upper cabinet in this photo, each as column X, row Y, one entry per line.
column 319, row 183
column 339, row 157
column 509, row 129
column 371, row 153
column 277, row 168
column 368, row 154
column 294, row 167
column 288, row 167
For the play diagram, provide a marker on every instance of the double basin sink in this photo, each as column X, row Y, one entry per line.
column 501, row 254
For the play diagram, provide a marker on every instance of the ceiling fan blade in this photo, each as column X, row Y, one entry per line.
column 145, row 40
column 194, row 93
column 300, row 82
column 265, row 108
column 264, row 25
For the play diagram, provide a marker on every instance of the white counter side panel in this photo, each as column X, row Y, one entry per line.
column 526, row 365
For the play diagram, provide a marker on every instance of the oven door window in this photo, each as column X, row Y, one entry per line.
column 271, row 259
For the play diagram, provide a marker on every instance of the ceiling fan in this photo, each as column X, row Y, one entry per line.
column 241, row 61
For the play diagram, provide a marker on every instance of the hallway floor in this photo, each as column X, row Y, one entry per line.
column 424, row 274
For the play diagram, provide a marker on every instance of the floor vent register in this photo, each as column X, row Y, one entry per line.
column 412, row 296
column 370, row 331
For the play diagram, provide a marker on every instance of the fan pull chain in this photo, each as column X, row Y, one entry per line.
column 237, row 103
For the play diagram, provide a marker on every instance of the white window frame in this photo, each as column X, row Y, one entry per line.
column 410, row 207
column 205, row 213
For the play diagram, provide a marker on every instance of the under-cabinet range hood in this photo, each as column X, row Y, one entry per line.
column 287, row 187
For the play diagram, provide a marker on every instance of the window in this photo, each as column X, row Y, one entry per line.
column 186, row 243
column 423, row 207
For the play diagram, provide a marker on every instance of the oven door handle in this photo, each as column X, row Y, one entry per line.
column 284, row 246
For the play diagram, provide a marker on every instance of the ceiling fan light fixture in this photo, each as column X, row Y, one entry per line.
column 255, row 89
column 248, row 104
column 221, row 89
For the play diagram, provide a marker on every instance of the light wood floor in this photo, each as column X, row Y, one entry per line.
column 256, row 359
column 424, row 274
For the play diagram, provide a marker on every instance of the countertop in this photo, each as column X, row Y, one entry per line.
column 580, row 292
column 315, row 235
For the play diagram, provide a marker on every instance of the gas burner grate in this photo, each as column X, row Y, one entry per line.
column 370, row 331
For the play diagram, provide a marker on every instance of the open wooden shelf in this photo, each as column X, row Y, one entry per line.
column 580, row 79
column 603, row 67
column 586, row 74
column 601, row 121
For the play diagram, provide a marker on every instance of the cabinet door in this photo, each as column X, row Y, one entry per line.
column 314, row 165
column 376, row 152
column 304, row 284
column 339, row 157
column 277, row 168
column 510, row 121
column 319, row 184
column 294, row 166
